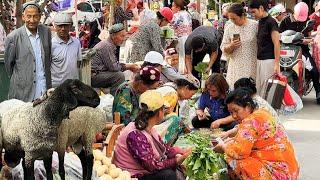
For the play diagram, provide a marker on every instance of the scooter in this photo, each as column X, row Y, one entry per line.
column 292, row 64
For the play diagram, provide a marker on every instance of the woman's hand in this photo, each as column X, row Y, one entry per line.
column 181, row 158
column 228, row 140
column 219, row 148
column 230, row 133
column 235, row 44
column 133, row 67
column 201, row 115
column 215, row 124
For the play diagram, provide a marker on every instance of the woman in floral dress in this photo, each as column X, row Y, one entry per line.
column 127, row 95
column 261, row 148
column 240, row 44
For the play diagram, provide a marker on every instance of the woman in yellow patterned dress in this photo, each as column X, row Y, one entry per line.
column 261, row 149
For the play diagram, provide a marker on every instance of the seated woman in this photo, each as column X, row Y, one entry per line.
column 126, row 99
column 216, row 89
column 180, row 90
column 260, row 149
column 250, row 84
column 139, row 148
column 172, row 125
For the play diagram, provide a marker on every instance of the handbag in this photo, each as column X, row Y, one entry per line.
column 274, row 90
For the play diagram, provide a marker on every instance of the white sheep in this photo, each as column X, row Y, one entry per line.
column 31, row 132
column 81, row 127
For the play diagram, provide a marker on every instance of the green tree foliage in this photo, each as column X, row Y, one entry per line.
column 213, row 3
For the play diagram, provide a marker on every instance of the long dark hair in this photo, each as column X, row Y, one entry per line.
column 141, row 121
column 184, row 83
column 246, row 83
column 241, row 97
column 182, row 4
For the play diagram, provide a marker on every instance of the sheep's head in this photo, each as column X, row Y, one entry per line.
column 69, row 95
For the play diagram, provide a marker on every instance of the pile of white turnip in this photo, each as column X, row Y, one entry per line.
column 105, row 170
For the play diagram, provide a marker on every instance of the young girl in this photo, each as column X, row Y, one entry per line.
column 216, row 89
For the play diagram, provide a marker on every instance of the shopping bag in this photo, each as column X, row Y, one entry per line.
column 274, row 91
column 291, row 108
column 288, row 99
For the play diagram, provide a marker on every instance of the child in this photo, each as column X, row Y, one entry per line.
column 216, row 89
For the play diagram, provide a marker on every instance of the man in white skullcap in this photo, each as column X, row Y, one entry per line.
column 66, row 51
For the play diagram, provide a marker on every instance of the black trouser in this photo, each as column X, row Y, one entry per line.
column 110, row 80
column 206, row 123
column 164, row 174
column 314, row 73
column 198, row 57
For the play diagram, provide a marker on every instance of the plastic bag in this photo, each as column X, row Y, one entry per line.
column 106, row 102
column 291, row 109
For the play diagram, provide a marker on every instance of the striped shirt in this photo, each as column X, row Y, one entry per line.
column 105, row 58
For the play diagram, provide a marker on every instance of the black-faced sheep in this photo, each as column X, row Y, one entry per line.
column 31, row 132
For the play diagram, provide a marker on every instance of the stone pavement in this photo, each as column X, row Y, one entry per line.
column 303, row 129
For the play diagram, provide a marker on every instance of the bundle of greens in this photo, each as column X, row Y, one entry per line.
column 204, row 163
column 202, row 69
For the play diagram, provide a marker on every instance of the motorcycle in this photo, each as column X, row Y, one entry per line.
column 292, row 63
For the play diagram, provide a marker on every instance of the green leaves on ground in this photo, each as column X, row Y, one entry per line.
column 203, row 163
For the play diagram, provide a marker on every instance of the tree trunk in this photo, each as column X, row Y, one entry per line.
column 2, row 16
column 45, row 2
column 19, row 4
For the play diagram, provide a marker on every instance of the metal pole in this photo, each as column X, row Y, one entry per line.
column 198, row 6
column 220, row 9
column 76, row 16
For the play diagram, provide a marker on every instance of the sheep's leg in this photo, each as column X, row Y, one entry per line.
column 83, row 160
column 89, row 158
column 28, row 169
column 87, row 163
column 61, row 166
column 48, row 165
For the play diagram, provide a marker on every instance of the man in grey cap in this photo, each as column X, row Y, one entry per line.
column 66, row 51
column 106, row 70
column 28, row 56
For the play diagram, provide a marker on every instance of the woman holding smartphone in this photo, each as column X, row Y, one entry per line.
column 240, row 44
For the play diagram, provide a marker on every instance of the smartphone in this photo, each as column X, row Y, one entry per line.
column 236, row 36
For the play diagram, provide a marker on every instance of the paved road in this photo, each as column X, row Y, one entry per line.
column 304, row 131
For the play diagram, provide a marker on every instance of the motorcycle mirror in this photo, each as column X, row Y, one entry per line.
column 310, row 23
column 309, row 26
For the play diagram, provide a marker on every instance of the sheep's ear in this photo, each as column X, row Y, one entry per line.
column 75, row 89
column 71, row 100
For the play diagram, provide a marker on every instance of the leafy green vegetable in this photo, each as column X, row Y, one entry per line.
column 203, row 163
column 201, row 67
